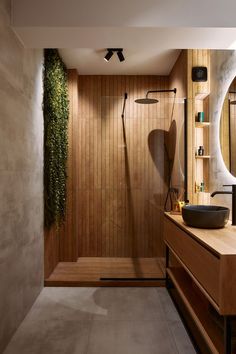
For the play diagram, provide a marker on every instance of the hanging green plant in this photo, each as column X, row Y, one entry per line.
column 56, row 114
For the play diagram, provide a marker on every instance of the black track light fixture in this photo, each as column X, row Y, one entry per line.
column 120, row 55
column 108, row 55
column 110, row 52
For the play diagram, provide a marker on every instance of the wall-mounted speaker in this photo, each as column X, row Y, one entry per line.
column 199, row 74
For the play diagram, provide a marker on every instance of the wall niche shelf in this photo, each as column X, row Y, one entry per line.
column 201, row 169
column 203, row 157
column 202, row 124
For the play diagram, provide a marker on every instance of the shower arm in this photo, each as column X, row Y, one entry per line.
column 155, row 91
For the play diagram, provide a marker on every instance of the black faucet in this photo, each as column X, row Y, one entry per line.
column 233, row 200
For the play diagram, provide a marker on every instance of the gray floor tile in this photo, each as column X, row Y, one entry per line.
column 50, row 337
column 68, row 303
column 128, row 304
column 182, row 340
column 101, row 321
column 167, row 304
column 131, row 337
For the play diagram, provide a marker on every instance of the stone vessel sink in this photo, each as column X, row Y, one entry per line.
column 205, row 216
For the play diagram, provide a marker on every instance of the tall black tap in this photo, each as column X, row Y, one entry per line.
column 233, row 193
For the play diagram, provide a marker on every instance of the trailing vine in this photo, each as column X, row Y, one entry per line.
column 56, row 113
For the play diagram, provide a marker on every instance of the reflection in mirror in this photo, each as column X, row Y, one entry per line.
column 228, row 129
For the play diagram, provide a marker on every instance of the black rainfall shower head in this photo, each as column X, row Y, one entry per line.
column 146, row 100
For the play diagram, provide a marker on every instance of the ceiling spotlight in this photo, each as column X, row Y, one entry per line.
column 120, row 55
column 108, row 55
column 110, row 52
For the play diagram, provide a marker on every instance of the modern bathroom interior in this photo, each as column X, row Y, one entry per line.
column 117, row 179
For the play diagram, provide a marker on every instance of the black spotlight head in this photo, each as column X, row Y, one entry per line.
column 108, row 55
column 120, row 55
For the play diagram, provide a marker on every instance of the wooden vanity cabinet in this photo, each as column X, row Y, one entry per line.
column 202, row 281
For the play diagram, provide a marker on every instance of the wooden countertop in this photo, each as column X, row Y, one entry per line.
column 220, row 241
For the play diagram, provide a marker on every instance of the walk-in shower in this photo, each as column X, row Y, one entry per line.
column 148, row 100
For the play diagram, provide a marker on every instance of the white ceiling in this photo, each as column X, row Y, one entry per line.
column 151, row 32
column 124, row 13
column 89, row 61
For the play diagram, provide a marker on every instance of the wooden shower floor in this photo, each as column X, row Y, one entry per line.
column 91, row 271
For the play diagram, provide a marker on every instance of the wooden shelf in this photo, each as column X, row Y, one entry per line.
column 203, row 157
column 201, row 96
column 198, row 309
column 202, row 124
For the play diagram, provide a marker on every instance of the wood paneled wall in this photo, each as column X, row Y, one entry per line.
column 51, row 251
column 69, row 231
column 121, row 177
column 178, row 75
column 178, row 79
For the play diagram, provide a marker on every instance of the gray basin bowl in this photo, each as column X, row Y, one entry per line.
column 205, row 216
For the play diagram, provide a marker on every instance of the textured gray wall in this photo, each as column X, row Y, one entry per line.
column 21, row 177
column 223, row 71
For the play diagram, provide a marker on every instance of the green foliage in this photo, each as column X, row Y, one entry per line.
column 56, row 113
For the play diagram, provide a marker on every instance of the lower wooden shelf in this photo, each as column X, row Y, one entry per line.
column 198, row 309
column 202, row 157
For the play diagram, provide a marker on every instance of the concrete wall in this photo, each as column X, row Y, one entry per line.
column 21, row 177
column 223, row 71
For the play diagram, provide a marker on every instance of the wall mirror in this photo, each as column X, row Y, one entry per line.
column 228, row 129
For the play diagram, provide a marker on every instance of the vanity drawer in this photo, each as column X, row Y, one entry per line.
column 204, row 265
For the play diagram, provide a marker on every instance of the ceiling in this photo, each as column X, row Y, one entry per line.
column 89, row 61
column 152, row 32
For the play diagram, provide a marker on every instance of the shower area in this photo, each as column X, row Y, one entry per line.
column 121, row 168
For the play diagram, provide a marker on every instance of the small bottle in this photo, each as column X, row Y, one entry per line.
column 202, row 187
column 201, row 151
column 200, row 117
column 197, row 187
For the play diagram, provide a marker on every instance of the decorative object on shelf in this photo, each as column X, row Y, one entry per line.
column 200, row 151
column 199, row 74
column 202, row 187
column 200, row 117
column 197, row 187
column 56, row 113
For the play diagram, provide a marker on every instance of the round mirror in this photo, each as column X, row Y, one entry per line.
column 228, row 129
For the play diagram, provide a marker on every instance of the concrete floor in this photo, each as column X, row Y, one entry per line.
column 102, row 321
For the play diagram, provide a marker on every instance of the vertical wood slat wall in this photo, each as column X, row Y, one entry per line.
column 99, row 209
column 120, row 191
column 68, row 233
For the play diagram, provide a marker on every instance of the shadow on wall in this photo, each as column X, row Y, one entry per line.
column 164, row 142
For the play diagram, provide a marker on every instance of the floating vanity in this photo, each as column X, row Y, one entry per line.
column 201, row 278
